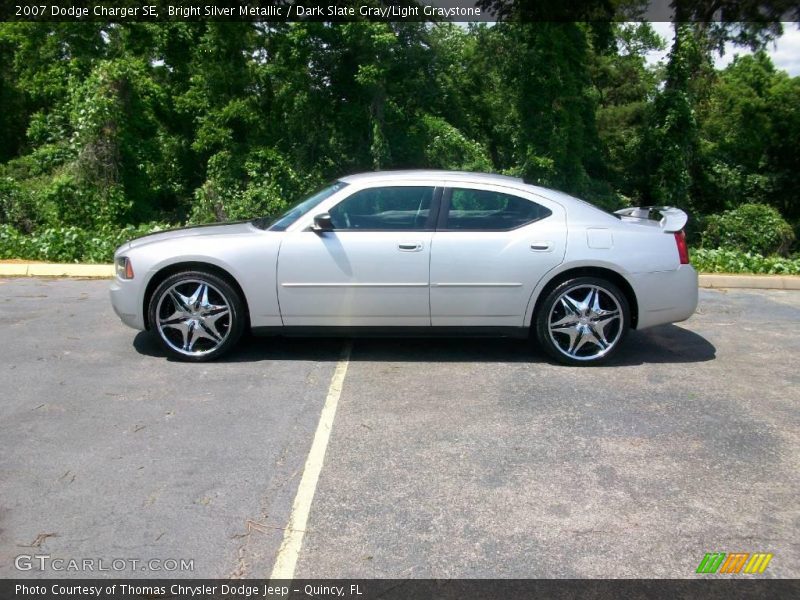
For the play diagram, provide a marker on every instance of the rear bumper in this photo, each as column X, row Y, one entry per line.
column 665, row 296
column 126, row 303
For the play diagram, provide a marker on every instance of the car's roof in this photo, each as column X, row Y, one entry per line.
column 576, row 206
column 432, row 174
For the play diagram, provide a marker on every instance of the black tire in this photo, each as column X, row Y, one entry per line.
column 211, row 329
column 592, row 328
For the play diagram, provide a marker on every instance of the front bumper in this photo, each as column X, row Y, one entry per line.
column 126, row 301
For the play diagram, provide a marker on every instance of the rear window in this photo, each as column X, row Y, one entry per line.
column 475, row 210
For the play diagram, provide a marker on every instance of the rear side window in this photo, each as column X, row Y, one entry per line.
column 400, row 208
column 476, row 210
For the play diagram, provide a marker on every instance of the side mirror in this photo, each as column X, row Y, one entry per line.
column 322, row 222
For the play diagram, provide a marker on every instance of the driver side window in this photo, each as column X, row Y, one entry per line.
column 399, row 208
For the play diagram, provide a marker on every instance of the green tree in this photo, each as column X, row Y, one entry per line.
column 109, row 125
column 702, row 28
column 625, row 87
column 747, row 127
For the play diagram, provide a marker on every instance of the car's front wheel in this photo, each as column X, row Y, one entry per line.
column 582, row 321
column 196, row 315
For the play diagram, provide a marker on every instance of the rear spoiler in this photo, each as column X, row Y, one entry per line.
column 672, row 219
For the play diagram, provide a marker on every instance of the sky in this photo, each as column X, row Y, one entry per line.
column 785, row 51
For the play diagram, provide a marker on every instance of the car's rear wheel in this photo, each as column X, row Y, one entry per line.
column 196, row 315
column 583, row 321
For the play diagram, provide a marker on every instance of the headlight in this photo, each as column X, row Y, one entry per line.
column 124, row 268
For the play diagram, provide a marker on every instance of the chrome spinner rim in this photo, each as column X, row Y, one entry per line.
column 585, row 322
column 193, row 317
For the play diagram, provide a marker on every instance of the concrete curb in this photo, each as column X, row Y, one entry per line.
column 753, row 282
column 56, row 270
column 707, row 280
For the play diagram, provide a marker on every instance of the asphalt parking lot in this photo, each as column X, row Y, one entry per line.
column 447, row 458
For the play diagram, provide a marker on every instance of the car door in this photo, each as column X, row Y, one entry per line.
column 372, row 269
column 492, row 246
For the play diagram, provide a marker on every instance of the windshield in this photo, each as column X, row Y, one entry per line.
column 298, row 210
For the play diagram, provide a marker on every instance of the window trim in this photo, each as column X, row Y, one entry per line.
column 430, row 222
column 444, row 211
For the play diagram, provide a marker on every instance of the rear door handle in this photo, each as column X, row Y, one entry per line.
column 410, row 246
column 541, row 246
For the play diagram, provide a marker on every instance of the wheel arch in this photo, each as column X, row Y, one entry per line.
column 611, row 275
column 196, row 265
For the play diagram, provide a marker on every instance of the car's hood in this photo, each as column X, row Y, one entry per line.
column 192, row 231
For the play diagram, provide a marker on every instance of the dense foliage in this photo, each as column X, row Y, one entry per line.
column 68, row 244
column 110, row 130
column 735, row 261
column 749, row 228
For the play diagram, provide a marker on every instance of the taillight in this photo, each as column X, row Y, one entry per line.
column 683, row 249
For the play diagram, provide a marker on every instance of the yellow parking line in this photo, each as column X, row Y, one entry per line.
column 289, row 551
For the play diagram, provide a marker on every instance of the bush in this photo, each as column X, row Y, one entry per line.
column 754, row 228
column 16, row 205
column 69, row 244
column 734, row 261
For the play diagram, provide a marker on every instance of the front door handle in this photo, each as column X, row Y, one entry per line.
column 542, row 246
column 410, row 246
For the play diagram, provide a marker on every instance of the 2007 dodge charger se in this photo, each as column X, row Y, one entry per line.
column 414, row 253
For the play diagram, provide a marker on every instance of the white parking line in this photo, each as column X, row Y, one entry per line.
column 286, row 560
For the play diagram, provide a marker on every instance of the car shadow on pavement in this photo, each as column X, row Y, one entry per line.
column 663, row 344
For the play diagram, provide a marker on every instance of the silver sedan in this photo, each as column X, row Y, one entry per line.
column 414, row 253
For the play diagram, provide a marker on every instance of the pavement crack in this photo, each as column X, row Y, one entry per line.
column 38, row 541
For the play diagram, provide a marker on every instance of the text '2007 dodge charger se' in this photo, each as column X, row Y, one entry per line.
column 414, row 253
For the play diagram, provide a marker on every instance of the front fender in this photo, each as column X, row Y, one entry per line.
column 251, row 261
